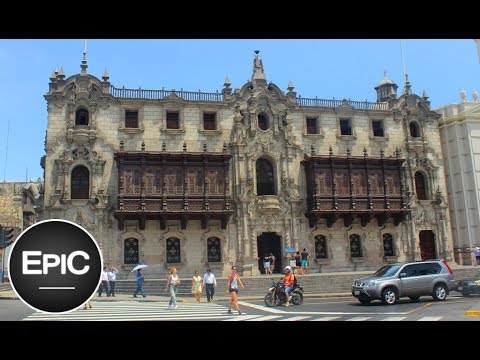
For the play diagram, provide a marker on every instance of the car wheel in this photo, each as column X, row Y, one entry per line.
column 365, row 301
column 389, row 296
column 269, row 300
column 440, row 292
column 414, row 298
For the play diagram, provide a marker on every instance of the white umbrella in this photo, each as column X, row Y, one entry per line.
column 141, row 266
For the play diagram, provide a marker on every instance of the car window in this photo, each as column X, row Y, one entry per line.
column 424, row 269
column 387, row 270
column 411, row 270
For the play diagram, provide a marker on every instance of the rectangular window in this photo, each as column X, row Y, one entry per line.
column 173, row 251
column 311, row 125
column 173, row 120
column 131, row 119
column 377, row 126
column 209, row 121
column 345, row 127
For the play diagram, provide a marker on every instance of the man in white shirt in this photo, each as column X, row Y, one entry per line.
column 112, row 277
column 104, row 283
column 209, row 283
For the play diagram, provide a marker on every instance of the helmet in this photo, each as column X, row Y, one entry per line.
column 287, row 268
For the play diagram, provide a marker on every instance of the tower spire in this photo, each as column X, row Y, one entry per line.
column 84, row 65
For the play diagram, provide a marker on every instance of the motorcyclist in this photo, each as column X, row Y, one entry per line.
column 288, row 283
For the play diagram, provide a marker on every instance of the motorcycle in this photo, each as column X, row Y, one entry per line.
column 276, row 296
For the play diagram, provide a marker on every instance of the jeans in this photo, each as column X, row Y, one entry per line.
column 288, row 290
column 209, row 290
column 103, row 286
column 139, row 290
column 112, row 287
column 173, row 295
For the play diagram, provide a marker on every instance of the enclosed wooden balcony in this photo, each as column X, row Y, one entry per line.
column 173, row 186
column 355, row 187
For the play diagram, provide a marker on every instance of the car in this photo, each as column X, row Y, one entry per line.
column 469, row 286
column 407, row 279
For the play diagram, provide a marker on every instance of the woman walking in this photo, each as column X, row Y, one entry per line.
column 172, row 284
column 232, row 288
column 197, row 286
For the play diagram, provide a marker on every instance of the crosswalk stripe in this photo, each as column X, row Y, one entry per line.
column 242, row 317
column 265, row 318
column 295, row 318
column 394, row 318
column 138, row 311
column 430, row 318
column 326, row 318
column 359, row 318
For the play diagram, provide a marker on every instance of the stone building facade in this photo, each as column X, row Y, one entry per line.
column 196, row 180
column 459, row 128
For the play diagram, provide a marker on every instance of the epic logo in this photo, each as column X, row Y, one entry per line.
column 55, row 266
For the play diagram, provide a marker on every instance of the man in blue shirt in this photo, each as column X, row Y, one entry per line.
column 140, row 280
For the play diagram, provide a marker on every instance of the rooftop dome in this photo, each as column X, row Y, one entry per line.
column 385, row 81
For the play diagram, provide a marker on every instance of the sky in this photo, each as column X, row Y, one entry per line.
column 323, row 68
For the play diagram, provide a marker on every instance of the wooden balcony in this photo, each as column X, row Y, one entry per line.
column 355, row 187
column 173, row 186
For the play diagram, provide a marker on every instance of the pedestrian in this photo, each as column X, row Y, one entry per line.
column 272, row 263
column 298, row 262
column 173, row 281
column 292, row 263
column 112, row 278
column 140, row 280
column 209, row 283
column 87, row 305
column 305, row 256
column 477, row 255
column 266, row 264
column 232, row 288
column 104, row 283
column 197, row 286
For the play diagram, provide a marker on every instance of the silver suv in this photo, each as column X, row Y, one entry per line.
column 409, row 279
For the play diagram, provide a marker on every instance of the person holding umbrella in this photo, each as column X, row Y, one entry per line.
column 140, row 280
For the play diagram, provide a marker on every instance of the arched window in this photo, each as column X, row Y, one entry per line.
column 81, row 117
column 214, row 253
column 321, row 247
column 265, row 183
column 388, row 248
column 173, row 251
column 263, row 123
column 414, row 130
column 80, row 183
column 420, row 186
column 130, row 248
column 355, row 246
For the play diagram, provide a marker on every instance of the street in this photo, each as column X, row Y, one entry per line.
column 320, row 309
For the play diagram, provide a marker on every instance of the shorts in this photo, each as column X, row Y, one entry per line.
column 304, row 263
column 298, row 263
column 266, row 264
column 232, row 290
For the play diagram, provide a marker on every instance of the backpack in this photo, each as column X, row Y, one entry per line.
column 295, row 283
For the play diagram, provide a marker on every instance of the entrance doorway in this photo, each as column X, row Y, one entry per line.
column 269, row 242
column 427, row 245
